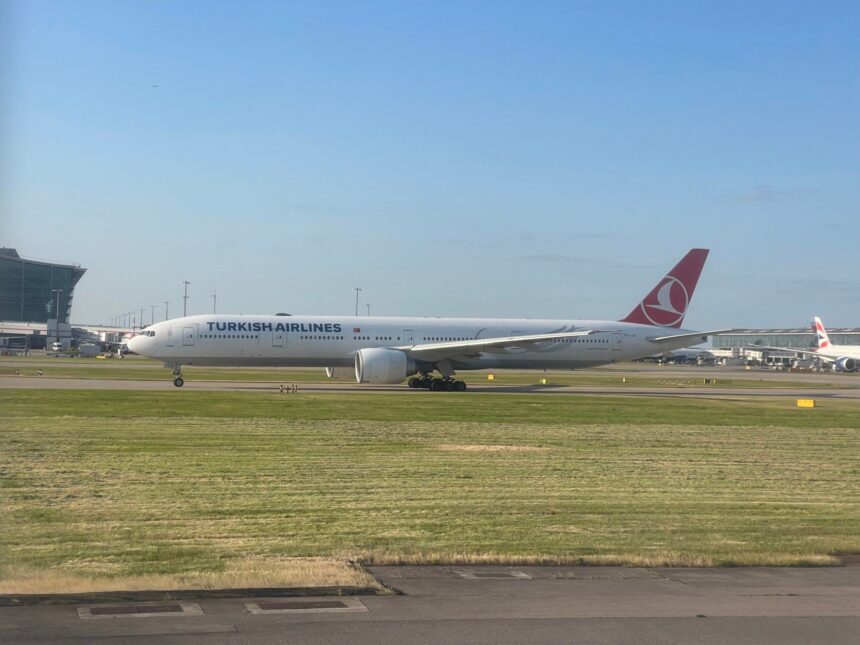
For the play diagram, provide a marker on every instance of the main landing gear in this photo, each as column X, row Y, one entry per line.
column 437, row 384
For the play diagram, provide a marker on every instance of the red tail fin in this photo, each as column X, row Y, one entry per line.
column 667, row 303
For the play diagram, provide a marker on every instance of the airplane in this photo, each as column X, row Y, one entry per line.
column 843, row 358
column 390, row 349
column 683, row 355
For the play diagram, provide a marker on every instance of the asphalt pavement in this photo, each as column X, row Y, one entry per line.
column 595, row 605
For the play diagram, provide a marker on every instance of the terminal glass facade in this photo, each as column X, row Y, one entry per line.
column 788, row 338
column 33, row 291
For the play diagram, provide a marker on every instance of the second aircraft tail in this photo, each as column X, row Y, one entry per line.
column 821, row 333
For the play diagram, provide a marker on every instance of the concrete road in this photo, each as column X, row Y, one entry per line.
column 711, row 392
column 593, row 605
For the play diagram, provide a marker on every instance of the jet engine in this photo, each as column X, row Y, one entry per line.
column 338, row 372
column 845, row 364
column 379, row 365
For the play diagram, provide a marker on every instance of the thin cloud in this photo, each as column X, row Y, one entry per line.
column 562, row 258
column 309, row 208
column 766, row 193
column 799, row 286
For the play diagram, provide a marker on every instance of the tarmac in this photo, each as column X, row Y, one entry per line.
column 849, row 393
column 436, row 604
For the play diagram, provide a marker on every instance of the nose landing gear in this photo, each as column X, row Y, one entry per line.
column 178, row 381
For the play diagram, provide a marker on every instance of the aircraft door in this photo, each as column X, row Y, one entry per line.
column 408, row 336
column 278, row 338
column 170, row 342
column 616, row 341
column 188, row 336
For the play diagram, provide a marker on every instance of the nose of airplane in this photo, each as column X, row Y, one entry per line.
column 133, row 344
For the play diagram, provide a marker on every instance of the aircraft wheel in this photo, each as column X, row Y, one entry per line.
column 178, row 381
column 437, row 385
column 414, row 383
column 459, row 386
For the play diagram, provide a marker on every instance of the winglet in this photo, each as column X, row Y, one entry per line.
column 667, row 303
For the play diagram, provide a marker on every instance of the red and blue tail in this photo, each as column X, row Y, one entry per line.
column 821, row 333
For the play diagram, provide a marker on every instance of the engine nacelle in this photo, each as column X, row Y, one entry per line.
column 379, row 365
column 338, row 372
column 845, row 364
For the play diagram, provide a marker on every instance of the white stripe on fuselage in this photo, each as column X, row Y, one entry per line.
column 331, row 341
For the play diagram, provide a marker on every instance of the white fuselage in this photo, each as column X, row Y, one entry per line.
column 332, row 341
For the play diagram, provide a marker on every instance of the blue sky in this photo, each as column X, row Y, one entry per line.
column 524, row 159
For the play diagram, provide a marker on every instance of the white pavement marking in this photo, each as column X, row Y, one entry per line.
column 494, row 575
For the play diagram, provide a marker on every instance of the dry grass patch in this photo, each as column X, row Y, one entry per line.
column 490, row 448
column 671, row 559
column 245, row 573
column 660, row 559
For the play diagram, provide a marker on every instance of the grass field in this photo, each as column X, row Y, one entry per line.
column 197, row 488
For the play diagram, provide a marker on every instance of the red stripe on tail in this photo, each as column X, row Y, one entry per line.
column 667, row 303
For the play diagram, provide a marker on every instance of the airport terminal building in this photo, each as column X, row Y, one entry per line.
column 36, row 297
column 788, row 338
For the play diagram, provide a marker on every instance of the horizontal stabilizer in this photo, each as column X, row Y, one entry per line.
column 789, row 350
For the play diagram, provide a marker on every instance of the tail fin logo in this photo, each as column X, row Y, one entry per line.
column 667, row 304
column 821, row 333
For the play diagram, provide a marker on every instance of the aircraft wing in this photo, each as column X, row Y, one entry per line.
column 691, row 335
column 793, row 350
column 438, row 351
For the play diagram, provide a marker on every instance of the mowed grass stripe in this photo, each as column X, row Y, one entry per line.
column 424, row 406
column 121, row 495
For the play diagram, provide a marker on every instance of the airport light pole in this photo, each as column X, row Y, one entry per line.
column 57, row 312
column 185, row 299
column 166, row 305
column 141, row 316
column 356, row 289
column 214, row 300
column 152, row 315
column 368, row 310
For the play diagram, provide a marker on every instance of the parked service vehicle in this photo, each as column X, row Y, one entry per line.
column 89, row 350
